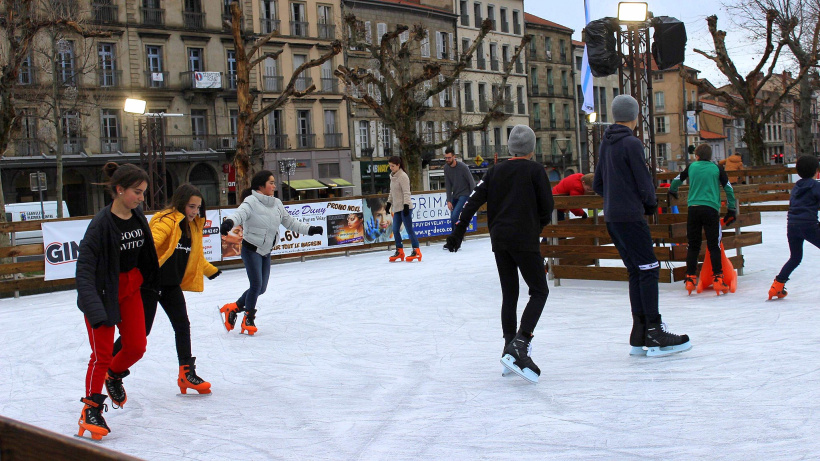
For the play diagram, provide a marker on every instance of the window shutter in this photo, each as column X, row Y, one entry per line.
column 450, row 47
column 439, row 45
column 437, row 129
column 441, row 94
column 403, row 37
column 368, row 32
column 381, row 29
column 425, row 45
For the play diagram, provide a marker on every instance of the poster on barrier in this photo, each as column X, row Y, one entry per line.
column 210, row 236
column 431, row 218
column 342, row 220
column 231, row 244
column 61, row 247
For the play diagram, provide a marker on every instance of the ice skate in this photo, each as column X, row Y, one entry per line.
column 691, row 283
column 637, row 339
column 229, row 310
column 719, row 285
column 91, row 418
column 113, row 384
column 778, row 290
column 507, row 340
column 398, row 255
column 188, row 379
column 414, row 256
column 517, row 359
column 660, row 342
column 248, row 325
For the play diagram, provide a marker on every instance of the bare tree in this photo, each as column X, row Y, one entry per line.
column 248, row 116
column 745, row 98
column 404, row 89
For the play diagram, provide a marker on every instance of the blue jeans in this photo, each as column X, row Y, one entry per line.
column 458, row 204
column 258, row 269
column 399, row 218
column 797, row 233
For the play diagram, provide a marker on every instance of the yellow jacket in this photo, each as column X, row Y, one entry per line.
column 166, row 230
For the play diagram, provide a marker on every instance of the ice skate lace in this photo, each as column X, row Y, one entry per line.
column 666, row 329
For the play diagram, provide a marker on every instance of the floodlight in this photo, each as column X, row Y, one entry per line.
column 134, row 106
column 592, row 116
column 632, row 11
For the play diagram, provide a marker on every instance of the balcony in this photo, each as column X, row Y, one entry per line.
column 465, row 20
column 553, row 124
column 298, row 29
column 153, row 16
column 469, row 105
column 483, row 105
column 28, row 147
column 194, row 20
column 478, row 21
column 494, row 27
column 509, row 107
column 302, row 83
column 481, row 63
column 522, row 108
column 232, row 81
column 536, row 124
column 307, row 140
column 327, row 31
column 534, row 89
column 493, row 64
column 519, row 67
column 269, row 25
column 104, row 14
column 333, row 139
column 567, row 125
column 156, row 79
column 563, row 58
column 550, row 89
column 565, row 90
column 273, row 83
column 532, row 55
column 109, row 78
column 517, row 28
column 112, row 145
column 556, row 160
column 277, row 142
column 194, row 142
column 208, row 82
column 73, row 146
column 330, row 85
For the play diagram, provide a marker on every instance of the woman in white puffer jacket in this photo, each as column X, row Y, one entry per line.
column 260, row 214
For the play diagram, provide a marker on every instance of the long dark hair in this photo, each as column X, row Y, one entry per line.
column 180, row 200
column 125, row 176
column 396, row 160
column 258, row 181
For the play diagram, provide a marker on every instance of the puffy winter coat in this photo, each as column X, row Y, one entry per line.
column 98, row 267
column 166, row 230
column 733, row 163
column 399, row 191
column 260, row 216
column 571, row 185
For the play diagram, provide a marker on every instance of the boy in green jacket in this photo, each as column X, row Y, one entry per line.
column 705, row 180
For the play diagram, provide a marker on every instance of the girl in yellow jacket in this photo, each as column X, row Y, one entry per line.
column 177, row 233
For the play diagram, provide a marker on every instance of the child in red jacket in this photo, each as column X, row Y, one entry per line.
column 574, row 184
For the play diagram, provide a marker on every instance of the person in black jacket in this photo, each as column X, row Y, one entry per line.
column 624, row 182
column 117, row 257
column 519, row 205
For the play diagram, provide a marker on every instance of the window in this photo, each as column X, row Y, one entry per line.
column 156, row 76
column 465, row 46
column 368, row 33
column 107, row 65
column 564, row 82
column 615, row 93
column 301, row 83
column 199, row 129
column 426, row 86
column 26, row 75
column 538, row 146
column 425, row 45
column 660, row 102
column 660, row 125
column 304, row 128
column 516, row 23
column 231, row 68
column 657, row 76
column 505, row 54
column 579, row 62
column 536, row 112
column 72, row 142
column 445, row 42
column 325, row 25
column 109, row 122
column 562, row 45
column 491, row 15
column 381, row 29
column 298, row 20
column 663, row 150
column 329, row 170
column 505, row 26
column 534, row 79
column 364, row 134
column 329, row 82
column 603, row 97
column 195, row 63
column 66, row 63
column 548, row 47
column 233, row 121
column 330, row 121
column 462, row 9
column 386, row 137
column 477, row 14
column 430, row 129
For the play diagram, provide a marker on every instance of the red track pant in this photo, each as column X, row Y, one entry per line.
column 132, row 331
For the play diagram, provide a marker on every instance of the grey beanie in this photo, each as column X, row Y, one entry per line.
column 624, row 108
column 521, row 141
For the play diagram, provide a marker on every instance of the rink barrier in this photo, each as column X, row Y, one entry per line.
column 20, row 441
column 13, row 280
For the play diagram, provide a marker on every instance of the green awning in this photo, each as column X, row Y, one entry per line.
column 337, row 183
column 305, row 184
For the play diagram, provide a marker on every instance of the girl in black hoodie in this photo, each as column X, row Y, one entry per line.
column 117, row 256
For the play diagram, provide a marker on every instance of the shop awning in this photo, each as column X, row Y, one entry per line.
column 305, row 184
column 338, row 183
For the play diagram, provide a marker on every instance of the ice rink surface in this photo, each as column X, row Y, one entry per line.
column 360, row 359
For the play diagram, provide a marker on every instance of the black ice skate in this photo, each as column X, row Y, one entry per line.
column 660, row 342
column 113, row 384
column 517, row 358
column 637, row 339
column 507, row 340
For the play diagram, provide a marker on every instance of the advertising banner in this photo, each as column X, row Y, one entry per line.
column 208, row 80
column 431, row 217
column 342, row 220
column 61, row 247
column 210, row 236
column 231, row 244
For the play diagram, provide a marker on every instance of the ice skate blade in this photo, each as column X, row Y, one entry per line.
column 96, row 438
column 668, row 350
column 509, row 362
column 506, row 371
column 194, row 394
column 637, row 351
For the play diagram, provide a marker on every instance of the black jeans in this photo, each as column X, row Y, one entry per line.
column 173, row 303
column 634, row 244
column 700, row 219
column 531, row 265
column 797, row 233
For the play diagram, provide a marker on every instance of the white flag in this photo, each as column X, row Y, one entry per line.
column 586, row 75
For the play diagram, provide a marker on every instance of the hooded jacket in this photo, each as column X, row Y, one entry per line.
column 166, row 230
column 98, row 267
column 733, row 163
column 572, row 186
column 622, row 177
column 804, row 201
column 260, row 216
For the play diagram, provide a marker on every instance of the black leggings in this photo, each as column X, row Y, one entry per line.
column 173, row 302
column 531, row 265
column 700, row 219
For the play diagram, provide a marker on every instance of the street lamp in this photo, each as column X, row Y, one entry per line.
column 287, row 166
column 565, row 142
column 368, row 151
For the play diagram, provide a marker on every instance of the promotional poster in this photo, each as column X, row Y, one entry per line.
column 342, row 221
column 61, row 247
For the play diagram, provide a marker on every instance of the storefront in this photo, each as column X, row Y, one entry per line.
column 375, row 177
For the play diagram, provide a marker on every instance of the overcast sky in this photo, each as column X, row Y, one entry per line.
column 693, row 13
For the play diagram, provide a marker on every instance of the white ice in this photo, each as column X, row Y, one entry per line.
column 357, row 358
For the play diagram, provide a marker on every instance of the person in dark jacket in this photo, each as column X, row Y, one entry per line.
column 624, row 182
column 801, row 221
column 519, row 205
column 458, row 183
column 117, row 257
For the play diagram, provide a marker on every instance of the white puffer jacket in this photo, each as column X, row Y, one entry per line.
column 260, row 216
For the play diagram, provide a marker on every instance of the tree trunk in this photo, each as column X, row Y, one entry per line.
column 753, row 137
column 244, row 101
column 803, row 119
column 56, row 115
column 7, row 115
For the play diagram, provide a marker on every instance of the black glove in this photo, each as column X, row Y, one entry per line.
column 406, row 211
column 387, row 208
column 649, row 210
column 225, row 227
column 316, row 230
column 583, row 216
column 673, row 194
column 218, row 273
column 731, row 216
column 455, row 238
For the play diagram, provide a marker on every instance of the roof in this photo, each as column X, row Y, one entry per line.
column 414, row 4
column 713, row 102
column 717, row 114
column 578, row 43
column 709, row 135
column 533, row 19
